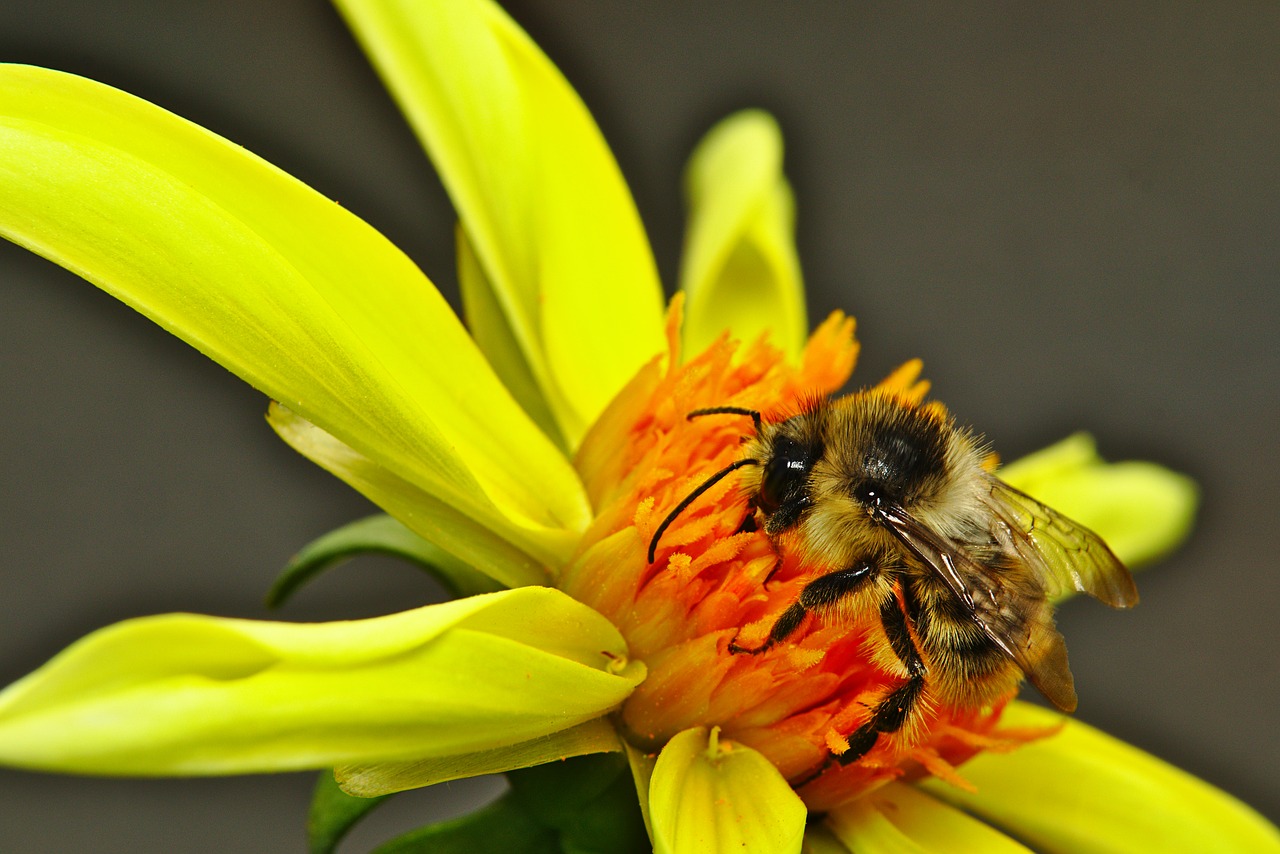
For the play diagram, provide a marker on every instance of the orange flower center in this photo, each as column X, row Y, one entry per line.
column 714, row 582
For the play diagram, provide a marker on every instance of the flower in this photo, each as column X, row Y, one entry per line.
column 376, row 381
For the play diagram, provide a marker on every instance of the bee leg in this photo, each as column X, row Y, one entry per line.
column 821, row 592
column 893, row 710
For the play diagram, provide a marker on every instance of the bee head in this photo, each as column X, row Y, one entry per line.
column 787, row 451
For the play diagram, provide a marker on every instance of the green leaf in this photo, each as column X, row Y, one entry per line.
column 333, row 813
column 1142, row 510
column 901, row 819
column 551, row 220
column 1084, row 792
column 283, row 287
column 384, row 535
column 710, row 796
column 185, row 694
column 740, row 270
column 611, row 824
column 594, row 736
column 555, row 792
column 503, row 826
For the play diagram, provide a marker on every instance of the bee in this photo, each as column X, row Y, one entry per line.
column 959, row 566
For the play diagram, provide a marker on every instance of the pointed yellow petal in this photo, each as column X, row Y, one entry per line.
column 901, row 819
column 495, row 338
column 277, row 283
column 438, row 522
column 539, row 194
column 369, row 781
column 1141, row 510
column 740, row 270
column 708, row 795
column 185, row 694
column 1084, row 792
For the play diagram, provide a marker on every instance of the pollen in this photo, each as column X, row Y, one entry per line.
column 717, row 581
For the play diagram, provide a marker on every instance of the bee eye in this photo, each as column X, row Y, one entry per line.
column 868, row 493
column 784, row 474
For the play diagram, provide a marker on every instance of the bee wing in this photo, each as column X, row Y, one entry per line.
column 1064, row 554
column 1010, row 607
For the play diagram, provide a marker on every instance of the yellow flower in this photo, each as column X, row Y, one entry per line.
column 529, row 465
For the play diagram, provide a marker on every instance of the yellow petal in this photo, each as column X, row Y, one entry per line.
column 708, row 795
column 439, row 522
column 901, row 819
column 370, row 781
column 740, row 270
column 495, row 338
column 1084, row 792
column 279, row 284
column 185, row 694
column 1140, row 509
column 819, row 840
column 539, row 194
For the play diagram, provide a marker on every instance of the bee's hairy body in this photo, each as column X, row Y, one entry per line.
column 891, row 500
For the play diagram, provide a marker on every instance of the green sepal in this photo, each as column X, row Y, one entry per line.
column 384, row 535
column 333, row 812
column 589, row 800
column 503, row 826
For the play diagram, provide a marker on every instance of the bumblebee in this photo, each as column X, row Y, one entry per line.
column 959, row 566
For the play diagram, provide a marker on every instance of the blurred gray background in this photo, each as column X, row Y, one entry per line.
column 1069, row 210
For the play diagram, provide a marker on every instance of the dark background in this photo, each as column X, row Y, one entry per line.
column 1069, row 210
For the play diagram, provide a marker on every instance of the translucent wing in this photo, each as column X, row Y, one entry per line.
column 1008, row 604
column 1066, row 556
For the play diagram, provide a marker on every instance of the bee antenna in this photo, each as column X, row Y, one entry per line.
column 727, row 410
column 693, row 496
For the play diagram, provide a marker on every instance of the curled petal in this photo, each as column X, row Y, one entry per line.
column 708, row 795
column 1081, row 790
column 740, row 269
column 186, row 694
